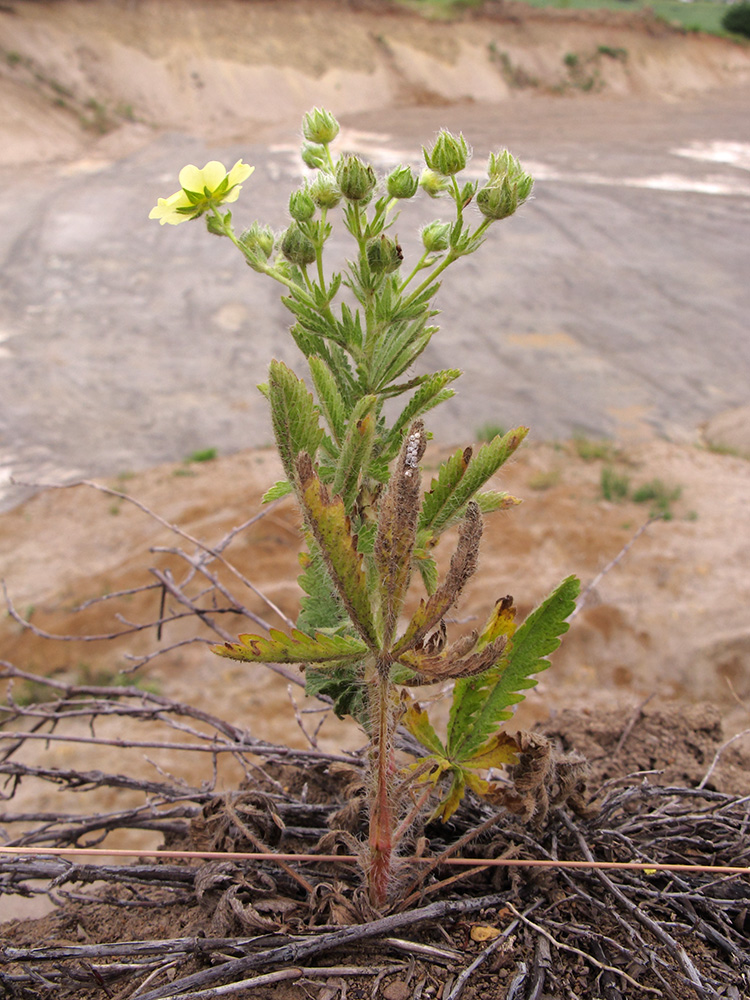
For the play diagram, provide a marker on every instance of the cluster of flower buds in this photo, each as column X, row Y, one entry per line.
column 351, row 178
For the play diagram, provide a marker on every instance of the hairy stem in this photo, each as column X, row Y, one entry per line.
column 382, row 815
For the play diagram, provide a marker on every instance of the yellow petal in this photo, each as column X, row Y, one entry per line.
column 165, row 209
column 213, row 174
column 233, row 195
column 191, row 178
column 239, row 173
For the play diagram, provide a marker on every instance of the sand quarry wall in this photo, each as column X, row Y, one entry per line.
column 217, row 67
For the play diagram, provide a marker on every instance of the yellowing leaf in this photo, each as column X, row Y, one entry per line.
column 329, row 523
column 498, row 750
column 418, row 723
column 502, row 621
column 295, row 648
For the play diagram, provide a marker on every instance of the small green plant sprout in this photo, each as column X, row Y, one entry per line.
column 486, row 432
column 369, row 526
column 614, row 485
column 659, row 495
column 202, row 455
column 593, row 449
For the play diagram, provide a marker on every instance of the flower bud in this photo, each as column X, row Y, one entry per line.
column 448, row 155
column 314, row 155
column 217, row 225
column 506, row 165
column 355, row 178
column 432, row 183
column 384, row 255
column 301, row 205
column 402, row 182
column 296, row 247
column 436, row 236
column 319, row 126
column 498, row 198
column 468, row 191
column 324, row 190
column 257, row 245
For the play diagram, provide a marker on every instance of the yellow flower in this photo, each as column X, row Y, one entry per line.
column 200, row 191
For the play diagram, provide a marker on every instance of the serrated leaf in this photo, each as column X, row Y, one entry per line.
column 458, row 482
column 492, row 500
column 481, row 703
column 329, row 397
column 321, row 608
column 280, row 489
column 356, row 449
column 298, row 647
column 343, row 685
column 428, row 571
column 443, row 486
column 294, row 417
column 430, row 393
column 502, row 621
column 498, row 750
column 326, row 517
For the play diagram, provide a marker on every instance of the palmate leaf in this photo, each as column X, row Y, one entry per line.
column 295, row 648
column 499, row 750
column 481, row 703
column 327, row 519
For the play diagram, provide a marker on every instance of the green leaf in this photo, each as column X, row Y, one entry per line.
column 444, row 487
column 331, row 401
column 343, row 685
column 327, row 519
column 461, row 477
column 280, row 489
column 428, row 571
column 355, row 450
column 492, row 500
column 321, row 608
column 294, row 417
column 481, row 703
column 430, row 393
column 295, row 648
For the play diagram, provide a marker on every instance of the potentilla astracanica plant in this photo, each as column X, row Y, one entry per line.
column 368, row 524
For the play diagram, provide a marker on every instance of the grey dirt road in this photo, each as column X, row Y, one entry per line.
column 618, row 299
